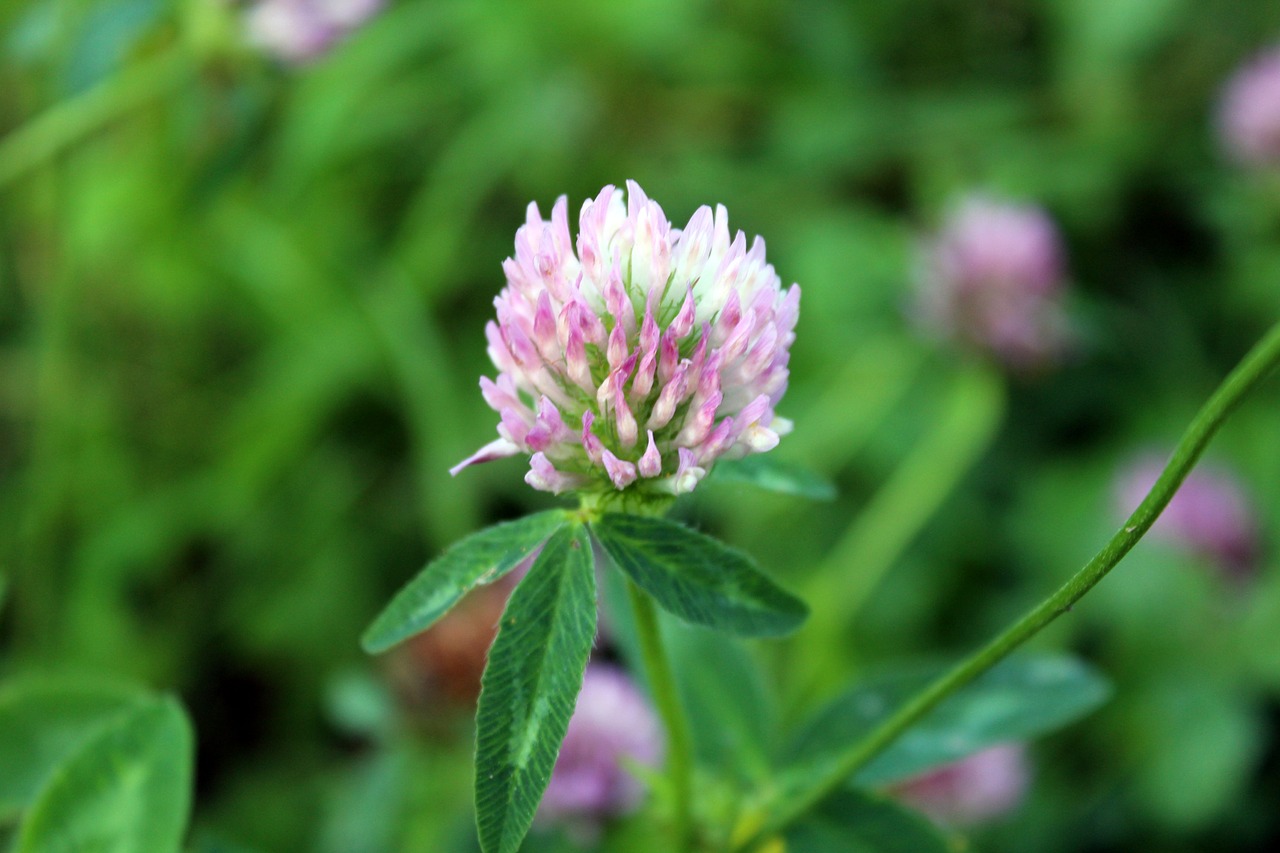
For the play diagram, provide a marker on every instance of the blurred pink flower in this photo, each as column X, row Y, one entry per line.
column 611, row 726
column 1249, row 114
column 992, row 278
column 640, row 356
column 975, row 789
column 1210, row 514
column 300, row 30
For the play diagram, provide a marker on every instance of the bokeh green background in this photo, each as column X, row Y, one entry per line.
column 241, row 313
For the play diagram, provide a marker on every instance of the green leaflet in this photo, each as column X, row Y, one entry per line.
column 858, row 822
column 530, row 686
column 45, row 721
column 769, row 474
column 127, row 789
column 478, row 559
column 1019, row 699
column 698, row 578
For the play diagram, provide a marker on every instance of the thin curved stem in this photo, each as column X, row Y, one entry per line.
column 665, row 696
column 1255, row 367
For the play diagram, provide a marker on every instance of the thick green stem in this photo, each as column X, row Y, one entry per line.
column 1260, row 361
column 667, row 698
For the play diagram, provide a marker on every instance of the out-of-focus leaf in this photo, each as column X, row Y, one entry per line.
column 697, row 578
column 33, row 36
column 210, row 843
column 1110, row 33
column 108, row 33
column 480, row 558
column 126, row 790
column 1199, row 745
column 857, row 822
column 530, row 686
column 359, row 704
column 365, row 812
column 1019, row 699
column 772, row 475
column 730, row 712
column 42, row 723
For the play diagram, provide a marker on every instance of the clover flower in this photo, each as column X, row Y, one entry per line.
column 302, row 30
column 992, row 278
column 1210, row 515
column 640, row 355
column 975, row 789
column 611, row 727
column 1249, row 113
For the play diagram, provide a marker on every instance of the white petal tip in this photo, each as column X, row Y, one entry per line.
column 498, row 449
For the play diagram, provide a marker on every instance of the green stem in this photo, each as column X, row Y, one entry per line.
column 666, row 697
column 56, row 129
column 1260, row 361
column 896, row 514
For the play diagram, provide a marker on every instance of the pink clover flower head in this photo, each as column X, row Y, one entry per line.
column 298, row 31
column 611, row 727
column 1249, row 113
column 992, row 278
column 638, row 355
column 1210, row 515
column 973, row 790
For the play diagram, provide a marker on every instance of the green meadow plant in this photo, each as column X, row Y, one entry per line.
column 233, row 226
column 631, row 361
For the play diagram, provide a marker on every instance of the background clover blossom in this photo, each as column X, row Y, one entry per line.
column 975, row 789
column 301, row 30
column 992, row 278
column 1210, row 514
column 611, row 725
column 639, row 356
column 1249, row 114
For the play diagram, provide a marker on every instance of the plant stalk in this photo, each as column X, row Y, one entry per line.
column 1251, row 371
column 667, row 698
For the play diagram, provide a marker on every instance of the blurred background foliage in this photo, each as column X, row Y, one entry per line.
column 241, row 312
